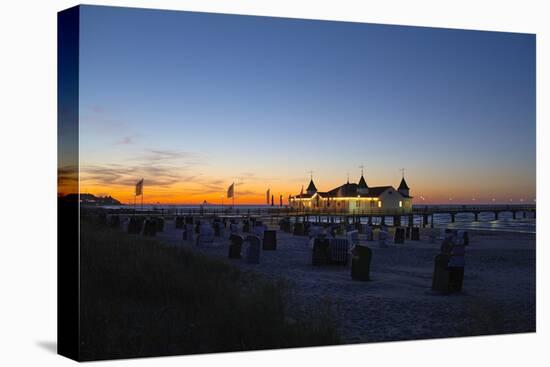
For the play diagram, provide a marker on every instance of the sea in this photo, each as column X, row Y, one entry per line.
column 486, row 220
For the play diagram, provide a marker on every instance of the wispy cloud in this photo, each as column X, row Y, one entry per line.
column 127, row 140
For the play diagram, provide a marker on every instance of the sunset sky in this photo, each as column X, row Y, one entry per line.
column 192, row 102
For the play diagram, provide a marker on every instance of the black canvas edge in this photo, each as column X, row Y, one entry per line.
column 68, row 246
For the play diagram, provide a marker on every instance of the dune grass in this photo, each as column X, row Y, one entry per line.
column 141, row 298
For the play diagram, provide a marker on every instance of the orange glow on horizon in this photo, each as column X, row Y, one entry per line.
column 256, row 195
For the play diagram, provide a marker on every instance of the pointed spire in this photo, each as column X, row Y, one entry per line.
column 403, row 185
column 362, row 183
column 311, row 189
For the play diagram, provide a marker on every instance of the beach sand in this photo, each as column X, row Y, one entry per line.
column 397, row 303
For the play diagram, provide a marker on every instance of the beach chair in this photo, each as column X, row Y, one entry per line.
column 150, row 227
column 313, row 233
column 159, row 222
column 415, row 234
column 321, row 252
column 339, row 251
column 258, row 230
column 432, row 236
column 235, row 246
column 299, row 229
column 366, row 230
column 399, row 236
column 188, row 232
column 284, row 225
column 252, row 252
column 353, row 238
column 448, row 273
column 360, row 263
column 382, row 237
column 270, row 240
column 206, row 234
column 135, row 225
column 464, row 236
column 441, row 274
column 233, row 228
column 114, row 221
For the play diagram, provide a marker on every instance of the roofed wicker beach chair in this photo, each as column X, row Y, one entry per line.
column 415, row 234
column 399, row 235
column 234, row 228
column 270, row 240
column 339, row 251
column 299, row 229
column 353, row 238
column 369, row 233
column 206, row 234
column 235, row 246
column 259, row 229
column 252, row 249
column 150, row 227
column 135, row 225
column 382, row 237
column 114, row 221
column 360, row 263
column 321, row 252
column 188, row 232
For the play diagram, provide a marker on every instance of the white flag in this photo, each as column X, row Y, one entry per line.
column 230, row 191
column 139, row 187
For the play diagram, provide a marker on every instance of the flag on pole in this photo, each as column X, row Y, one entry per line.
column 230, row 190
column 267, row 197
column 139, row 187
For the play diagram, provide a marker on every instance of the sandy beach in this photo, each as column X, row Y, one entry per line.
column 397, row 304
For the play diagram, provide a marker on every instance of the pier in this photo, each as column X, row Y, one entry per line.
column 375, row 216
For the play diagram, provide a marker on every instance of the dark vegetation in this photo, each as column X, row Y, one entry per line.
column 141, row 298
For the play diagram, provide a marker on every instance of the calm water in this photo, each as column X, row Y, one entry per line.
column 462, row 221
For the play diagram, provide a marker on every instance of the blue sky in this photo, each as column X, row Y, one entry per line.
column 211, row 98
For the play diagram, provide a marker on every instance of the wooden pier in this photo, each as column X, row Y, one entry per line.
column 374, row 215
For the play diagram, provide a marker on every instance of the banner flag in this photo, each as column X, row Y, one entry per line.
column 139, row 187
column 230, row 191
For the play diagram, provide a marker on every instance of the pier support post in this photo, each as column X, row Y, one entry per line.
column 524, row 214
column 383, row 222
column 411, row 220
column 514, row 214
column 452, row 217
column 476, row 216
column 397, row 221
column 432, row 220
column 369, row 220
column 496, row 215
column 425, row 222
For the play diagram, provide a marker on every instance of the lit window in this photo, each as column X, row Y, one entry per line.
column 379, row 204
column 400, row 204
